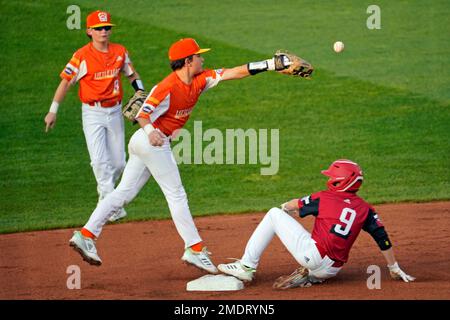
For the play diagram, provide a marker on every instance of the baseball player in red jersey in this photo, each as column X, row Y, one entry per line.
column 97, row 67
column 340, row 215
column 166, row 109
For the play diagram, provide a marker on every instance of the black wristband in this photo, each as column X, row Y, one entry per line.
column 257, row 67
column 137, row 85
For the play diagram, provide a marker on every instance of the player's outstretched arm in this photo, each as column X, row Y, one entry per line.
column 277, row 63
column 235, row 73
column 61, row 91
column 394, row 269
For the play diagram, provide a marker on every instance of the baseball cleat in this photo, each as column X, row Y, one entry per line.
column 299, row 278
column 86, row 248
column 199, row 259
column 238, row 270
column 119, row 214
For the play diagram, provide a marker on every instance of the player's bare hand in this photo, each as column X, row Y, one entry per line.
column 286, row 207
column 50, row 120
column 399, row 274
column 156, row 138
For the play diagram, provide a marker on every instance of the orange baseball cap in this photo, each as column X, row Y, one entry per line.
column 184, row 48
column 98, row 19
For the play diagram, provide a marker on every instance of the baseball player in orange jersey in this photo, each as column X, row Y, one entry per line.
column 97, row 67
column 166, row 109
column 340, row 215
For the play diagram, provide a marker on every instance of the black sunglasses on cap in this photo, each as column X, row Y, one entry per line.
column 107, row 28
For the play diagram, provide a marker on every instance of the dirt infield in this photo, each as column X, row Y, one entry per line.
column 141, row 260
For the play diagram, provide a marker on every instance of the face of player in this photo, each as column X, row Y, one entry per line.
column 101, row 34
column 197, row 63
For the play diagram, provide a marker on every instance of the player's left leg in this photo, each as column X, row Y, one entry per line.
column 292, row 234
column 324, row 271
column 115, row 142
column 163, row 167
column 304, row 277
column 115, row 145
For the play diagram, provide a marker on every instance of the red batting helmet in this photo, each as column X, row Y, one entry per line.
column 345, row 175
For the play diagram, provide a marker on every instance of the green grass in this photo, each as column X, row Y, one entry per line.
column 384, row 102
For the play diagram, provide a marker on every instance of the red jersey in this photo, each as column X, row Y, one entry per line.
column 340, row 216
column 171, row 102
column 99, row 72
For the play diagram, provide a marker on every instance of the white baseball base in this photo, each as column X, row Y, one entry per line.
column 215, row 283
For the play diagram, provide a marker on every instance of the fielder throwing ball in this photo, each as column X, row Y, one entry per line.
column 97, row 67
column 166, row 109
column 340, row 215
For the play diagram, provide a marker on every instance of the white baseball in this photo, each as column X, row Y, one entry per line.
column 338, row 46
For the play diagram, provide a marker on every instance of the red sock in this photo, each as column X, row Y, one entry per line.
column 86, row 233
column 197, row 247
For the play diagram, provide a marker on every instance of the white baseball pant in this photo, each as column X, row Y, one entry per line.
column 105, row 138
column 144, row 161
column 295, row 238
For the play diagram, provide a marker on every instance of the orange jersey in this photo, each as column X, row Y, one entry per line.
column 98, row 72
column 171, row 102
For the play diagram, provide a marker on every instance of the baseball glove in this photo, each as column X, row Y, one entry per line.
column 132, row 107
column 288, row 63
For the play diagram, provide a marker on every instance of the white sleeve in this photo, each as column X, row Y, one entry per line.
column 214, row 79
column 127, row 68
column 82, row 71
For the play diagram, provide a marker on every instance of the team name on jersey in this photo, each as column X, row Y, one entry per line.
column 106, row 74
column 183, row 113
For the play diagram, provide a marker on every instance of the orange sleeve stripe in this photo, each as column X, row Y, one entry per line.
column 143, row 115
column 65, row 76
column 75, row 61
column 153, row 100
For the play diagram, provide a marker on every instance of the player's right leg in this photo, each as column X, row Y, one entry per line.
column 85, row 246
column 104, row 133
column 94, row 128
column 292, row 234
column 134, row 178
